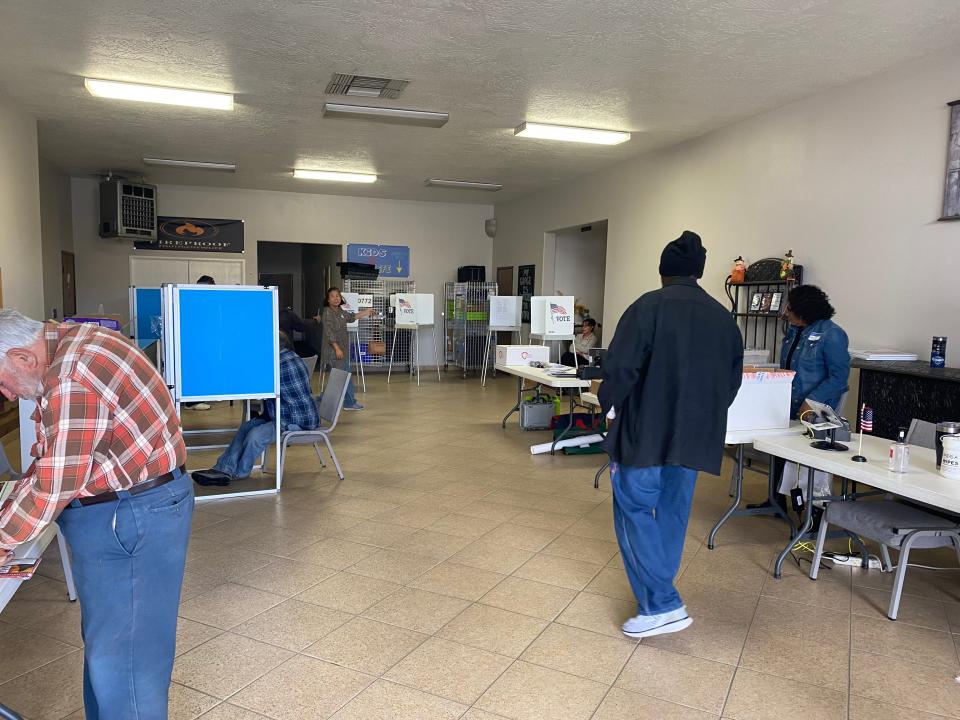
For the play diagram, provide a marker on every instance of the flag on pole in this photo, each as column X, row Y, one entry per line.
column 866, row 419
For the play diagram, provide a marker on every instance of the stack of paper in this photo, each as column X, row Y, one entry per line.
column 883, row 354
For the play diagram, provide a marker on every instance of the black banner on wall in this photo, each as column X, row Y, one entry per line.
column 525, row 284
column 196, row 234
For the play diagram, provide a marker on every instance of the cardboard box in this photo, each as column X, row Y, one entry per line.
column 522, row 354
column 111, row 322
column 763, row 402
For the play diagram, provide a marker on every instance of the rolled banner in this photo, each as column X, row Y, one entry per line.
column 582, row 441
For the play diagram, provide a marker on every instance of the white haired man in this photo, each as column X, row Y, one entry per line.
column 109, row 469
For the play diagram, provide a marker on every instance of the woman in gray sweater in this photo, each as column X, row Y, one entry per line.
column 336, row 340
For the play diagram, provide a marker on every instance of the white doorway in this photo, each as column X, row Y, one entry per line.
column 575, row 263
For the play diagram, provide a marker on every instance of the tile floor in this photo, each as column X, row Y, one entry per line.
column 453, row 575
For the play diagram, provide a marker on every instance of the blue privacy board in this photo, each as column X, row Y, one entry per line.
column 148, row 313
column 228, row 343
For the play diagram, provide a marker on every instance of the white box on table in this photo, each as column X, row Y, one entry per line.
column 522, row 354
column 763, row 402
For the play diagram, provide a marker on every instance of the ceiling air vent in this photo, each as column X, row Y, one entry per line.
column 365, row 86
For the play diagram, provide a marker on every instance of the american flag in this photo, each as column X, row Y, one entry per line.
column 866, row 419
column 558, row 309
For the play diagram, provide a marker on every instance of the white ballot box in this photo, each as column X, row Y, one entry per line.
column 763, row 402
column 522, row 354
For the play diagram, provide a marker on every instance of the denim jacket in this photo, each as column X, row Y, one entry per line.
column 821, row 361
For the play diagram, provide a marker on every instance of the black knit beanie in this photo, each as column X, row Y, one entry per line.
column 684, row 257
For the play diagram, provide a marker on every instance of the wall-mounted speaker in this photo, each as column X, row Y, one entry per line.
column 490, row 227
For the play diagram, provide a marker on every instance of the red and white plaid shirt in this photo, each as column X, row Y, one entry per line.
column 105, row 422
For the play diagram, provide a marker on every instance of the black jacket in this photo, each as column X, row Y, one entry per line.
column 672, row 370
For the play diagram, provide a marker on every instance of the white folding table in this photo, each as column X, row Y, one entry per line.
column 922, row 483
column 742, row 438
column 540, row 376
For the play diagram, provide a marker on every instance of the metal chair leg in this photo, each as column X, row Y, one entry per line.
column 333, row 456
column 885, row 558
column 818, row 553
column 316, row 447
column 900, row 576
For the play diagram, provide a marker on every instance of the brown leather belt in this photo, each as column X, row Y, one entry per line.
column 135, row 490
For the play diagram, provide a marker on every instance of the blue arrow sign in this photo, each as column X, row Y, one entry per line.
column 392, row 260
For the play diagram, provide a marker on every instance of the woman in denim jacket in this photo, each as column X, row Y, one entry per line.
column 814, row 347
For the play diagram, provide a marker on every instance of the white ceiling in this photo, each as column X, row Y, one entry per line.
column 666, row 70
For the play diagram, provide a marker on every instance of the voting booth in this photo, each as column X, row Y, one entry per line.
column 221, row 343
column 413, row 311
column 551, row 319
column 506, row 313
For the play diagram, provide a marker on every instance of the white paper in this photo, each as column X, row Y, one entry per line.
column 505, row 312
column 350, row 302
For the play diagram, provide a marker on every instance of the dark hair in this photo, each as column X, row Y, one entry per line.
column 591, row 322
column 326, row 298
column 810, row 304
column 205, row 280
column 285, row 343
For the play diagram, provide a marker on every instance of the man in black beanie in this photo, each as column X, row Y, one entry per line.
column 672, row 370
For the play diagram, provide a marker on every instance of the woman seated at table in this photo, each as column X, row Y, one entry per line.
column 582, row 345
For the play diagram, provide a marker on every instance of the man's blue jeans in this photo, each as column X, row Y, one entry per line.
column 651, row 507
column 253, row 437
column 128, row 557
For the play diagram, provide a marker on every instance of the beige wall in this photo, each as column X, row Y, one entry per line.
column 441, row 236
column 20, row 254
column 851, row 180
column 56, row 228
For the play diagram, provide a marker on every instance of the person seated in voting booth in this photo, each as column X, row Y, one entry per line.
column 582, row 344
column 298, row 411
column 108, row 468
column 816, row 349
column 671, row 372
column 336, row 340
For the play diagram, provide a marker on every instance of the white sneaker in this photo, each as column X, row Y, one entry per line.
column 199, row 406
column 643, row 626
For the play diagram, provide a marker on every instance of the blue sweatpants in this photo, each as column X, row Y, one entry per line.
column 651, row 508
column 128, row 558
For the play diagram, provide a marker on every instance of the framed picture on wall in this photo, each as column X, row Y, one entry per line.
column 755, row 302
column 951, row 189
column 775, row 302
column 765, row 302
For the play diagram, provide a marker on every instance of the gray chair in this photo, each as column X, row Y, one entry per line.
column 892, row 524
column 922, row 434
column 329, row 408
column 311, row 363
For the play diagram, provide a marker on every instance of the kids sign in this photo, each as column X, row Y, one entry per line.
column 391, row 260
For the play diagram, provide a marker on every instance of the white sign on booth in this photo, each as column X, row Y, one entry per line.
column 414, row 309
column 505, row 312
column 350, row 301
column 551, row 315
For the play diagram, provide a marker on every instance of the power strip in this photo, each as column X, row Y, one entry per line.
column 852, row 560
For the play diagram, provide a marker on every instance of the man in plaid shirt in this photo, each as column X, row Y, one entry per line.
column 109, row 469
column 298, row 411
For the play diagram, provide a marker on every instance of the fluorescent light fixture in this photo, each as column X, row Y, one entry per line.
column 198, row 164
column 423, row 118
column 333, row 176
column 158, row 94
column 464, row 184
column 571, row 134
